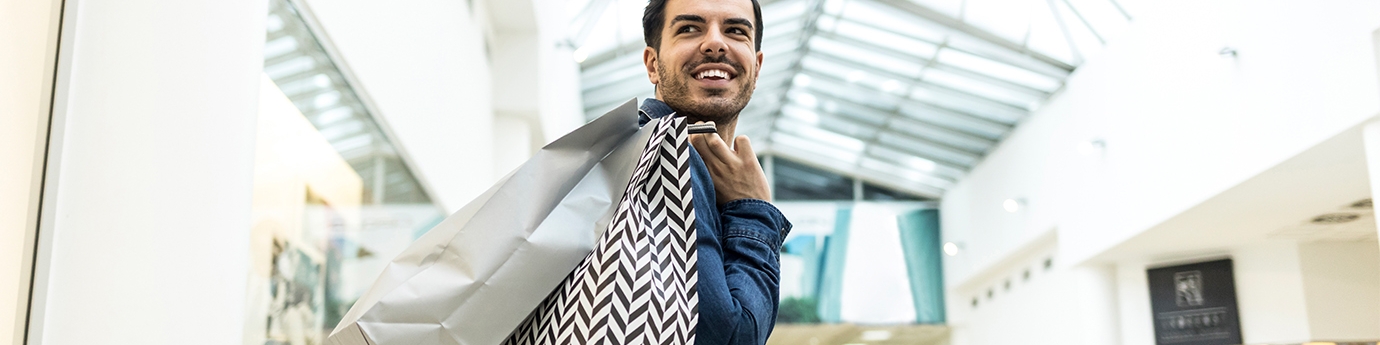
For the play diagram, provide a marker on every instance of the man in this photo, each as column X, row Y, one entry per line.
column 704, row 57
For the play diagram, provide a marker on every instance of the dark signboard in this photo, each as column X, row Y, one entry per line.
column 1195, row 304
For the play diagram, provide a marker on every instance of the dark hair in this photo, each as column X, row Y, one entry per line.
column 655, row 17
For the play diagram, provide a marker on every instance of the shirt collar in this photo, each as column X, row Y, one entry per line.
column 653, row 108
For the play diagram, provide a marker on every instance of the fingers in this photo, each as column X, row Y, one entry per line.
column 712, row 146
column 743, row 149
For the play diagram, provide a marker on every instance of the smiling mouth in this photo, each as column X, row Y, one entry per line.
column 713, row 74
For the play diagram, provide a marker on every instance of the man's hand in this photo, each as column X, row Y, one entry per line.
column 735, row 170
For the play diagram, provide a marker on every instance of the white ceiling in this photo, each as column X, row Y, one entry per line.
column 1275, row 205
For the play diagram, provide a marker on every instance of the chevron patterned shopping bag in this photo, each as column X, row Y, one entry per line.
column 478, row 274
column 638, row 285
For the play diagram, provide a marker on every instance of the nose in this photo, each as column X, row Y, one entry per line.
column 713, row 43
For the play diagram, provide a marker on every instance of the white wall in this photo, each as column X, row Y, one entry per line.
column 425, row 67
column 147, row 207
column 28, row 49
column 1341, row 283
column 1181, row 123
column 1058, row 305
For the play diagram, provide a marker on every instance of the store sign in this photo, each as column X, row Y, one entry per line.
column 1195, row 304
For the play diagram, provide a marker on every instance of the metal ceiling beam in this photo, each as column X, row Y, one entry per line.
column 944, row 164
column 911, row 102
column 958, row 25
column 958, row 134
column 1015, row 59
column 942, row 148
column 931, row 63
column 996, row 106
column 831, row 165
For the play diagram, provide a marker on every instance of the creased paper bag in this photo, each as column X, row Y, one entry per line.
column 475, row 276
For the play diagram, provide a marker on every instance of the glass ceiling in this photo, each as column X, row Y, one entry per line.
column 297, row 63
column 905, row 94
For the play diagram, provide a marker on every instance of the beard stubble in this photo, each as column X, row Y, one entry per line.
column 675, row 91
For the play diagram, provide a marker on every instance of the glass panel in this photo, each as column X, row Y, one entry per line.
column 926, row 149
column 882, row 16
column 999, row 70
column 969, row 105
column 950, row 119
column 981, row 89
column 794, row 181
column 883, row 38
column 873, row 192
column 895, row 67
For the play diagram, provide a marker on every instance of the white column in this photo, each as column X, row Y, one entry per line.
column 147, row 205
column 28, row 48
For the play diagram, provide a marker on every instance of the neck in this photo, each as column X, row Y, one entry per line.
column 724, row 128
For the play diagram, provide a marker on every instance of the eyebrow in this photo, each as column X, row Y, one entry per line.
column 689, row 18
column 739, row 21
column 699, row 19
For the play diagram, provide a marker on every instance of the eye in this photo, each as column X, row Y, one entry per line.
column 738, row 31
column 687, row 29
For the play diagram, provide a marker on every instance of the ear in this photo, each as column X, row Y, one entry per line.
column 649, row 58
column 758, row 72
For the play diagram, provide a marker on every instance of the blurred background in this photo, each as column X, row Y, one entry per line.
column 958, row 171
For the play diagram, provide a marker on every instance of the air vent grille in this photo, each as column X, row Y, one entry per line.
column 1335, row 218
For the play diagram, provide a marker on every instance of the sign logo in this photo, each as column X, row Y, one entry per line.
column 1188, row 288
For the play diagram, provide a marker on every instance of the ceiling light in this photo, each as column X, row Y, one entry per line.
column 1013, row 205
column 580, row 55
column 802, row 80
column 806, row 100
column 891, row 86
column 876, row 335
column 918, row 163
column 1092, row 147
column 950, row 249
column 831, row 106
column 855, row 76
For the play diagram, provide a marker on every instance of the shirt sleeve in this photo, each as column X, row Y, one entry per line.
column 753, row 233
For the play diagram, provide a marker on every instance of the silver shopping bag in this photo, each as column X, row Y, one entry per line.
column 638, row 285
column 478, row 274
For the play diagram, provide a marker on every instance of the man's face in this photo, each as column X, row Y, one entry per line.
column 707, row 66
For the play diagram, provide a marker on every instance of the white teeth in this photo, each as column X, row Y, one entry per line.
column 712, row 73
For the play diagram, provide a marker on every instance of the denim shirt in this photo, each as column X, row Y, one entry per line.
column 738, row 247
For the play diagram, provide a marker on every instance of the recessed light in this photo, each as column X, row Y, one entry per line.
column 580, row 55
column 1092, row 147
column 950, row 249
column 1013, row 205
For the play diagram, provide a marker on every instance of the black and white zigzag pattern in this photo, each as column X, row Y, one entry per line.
column 638, row 286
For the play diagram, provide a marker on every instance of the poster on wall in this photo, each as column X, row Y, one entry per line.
column 295, row 311
column 1195, row 304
